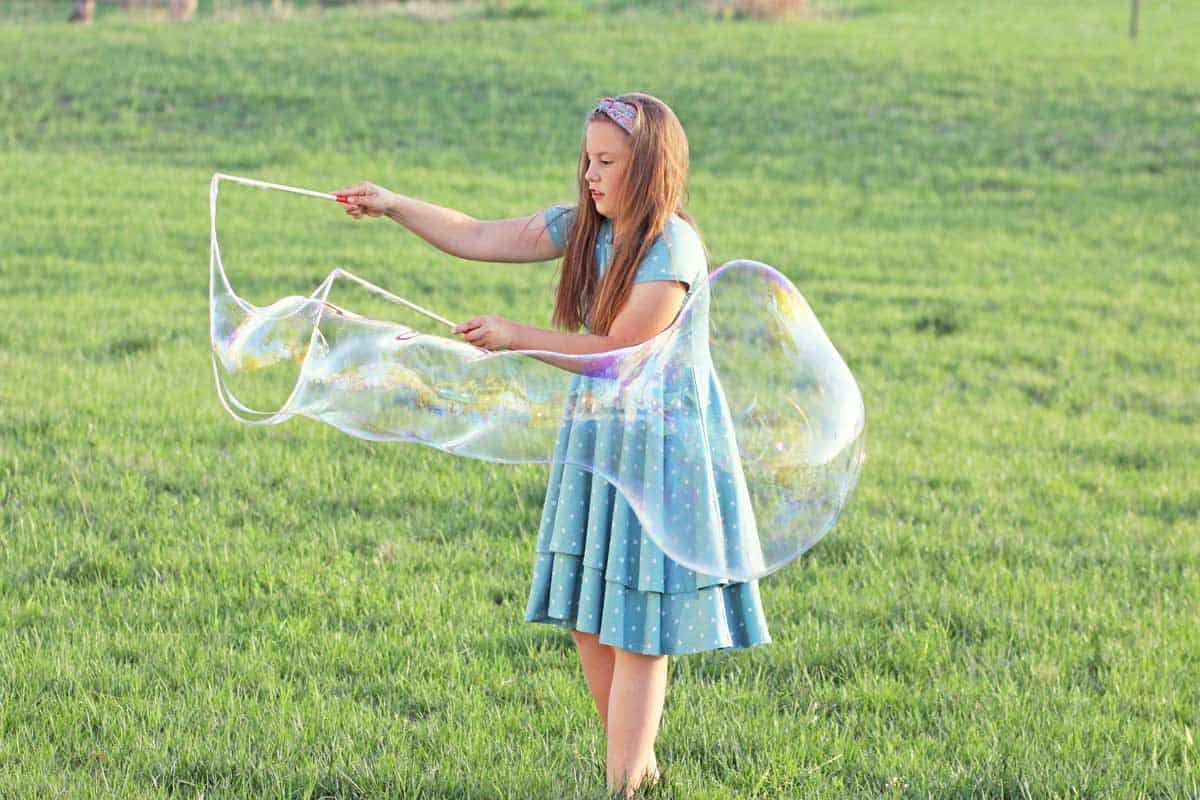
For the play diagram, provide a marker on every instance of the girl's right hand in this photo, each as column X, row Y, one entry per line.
column 366, row 198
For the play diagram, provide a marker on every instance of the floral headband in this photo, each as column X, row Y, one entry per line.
column 619, row 112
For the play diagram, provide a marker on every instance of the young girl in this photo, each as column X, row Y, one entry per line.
column 631, row 256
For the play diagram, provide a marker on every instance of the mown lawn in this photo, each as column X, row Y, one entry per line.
column 992, row 210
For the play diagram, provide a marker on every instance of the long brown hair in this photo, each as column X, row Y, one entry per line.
column 654, row 188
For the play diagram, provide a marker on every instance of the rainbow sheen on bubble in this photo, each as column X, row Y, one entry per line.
column 649, row 419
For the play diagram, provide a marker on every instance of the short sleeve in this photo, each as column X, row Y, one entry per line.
column 673, row 257
column 558, row 222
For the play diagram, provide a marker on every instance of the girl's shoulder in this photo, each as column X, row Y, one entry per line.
column 682, row 239
column 680, row 234
column 558, row 220
column 675, row 254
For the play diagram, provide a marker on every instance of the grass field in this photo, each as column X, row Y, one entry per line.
column 992, row 210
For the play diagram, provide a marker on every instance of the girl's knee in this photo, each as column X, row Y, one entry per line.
column 641, row 659
column 586, row 639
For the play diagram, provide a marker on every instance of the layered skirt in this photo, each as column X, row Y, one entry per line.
column 597, row 570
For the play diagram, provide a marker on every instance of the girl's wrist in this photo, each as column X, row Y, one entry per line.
column 394, row 209
column 518, row 337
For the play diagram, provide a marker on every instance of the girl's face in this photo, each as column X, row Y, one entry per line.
column 608, row 156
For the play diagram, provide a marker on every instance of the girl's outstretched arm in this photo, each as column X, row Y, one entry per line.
column 520, row 239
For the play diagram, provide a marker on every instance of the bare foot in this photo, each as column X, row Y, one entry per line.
column 649, row 777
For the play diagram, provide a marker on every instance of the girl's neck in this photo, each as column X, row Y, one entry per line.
column 616, row 238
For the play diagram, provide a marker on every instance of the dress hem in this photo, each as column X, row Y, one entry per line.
column 699, row 580
column 574, row 596
column 646, row 650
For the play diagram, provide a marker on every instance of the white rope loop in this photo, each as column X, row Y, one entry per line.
column 220, row 176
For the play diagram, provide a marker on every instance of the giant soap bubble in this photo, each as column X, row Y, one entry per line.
column 647, row 418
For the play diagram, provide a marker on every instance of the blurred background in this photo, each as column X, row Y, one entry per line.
column 991, row 208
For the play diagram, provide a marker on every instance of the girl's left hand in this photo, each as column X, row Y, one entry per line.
column 489, row 331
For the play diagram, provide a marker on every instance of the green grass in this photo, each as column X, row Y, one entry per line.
column 993, row 213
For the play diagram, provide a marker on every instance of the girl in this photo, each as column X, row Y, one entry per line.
column 631, row 256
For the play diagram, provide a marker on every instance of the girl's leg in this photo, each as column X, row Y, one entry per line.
column 597, row 660
column 635, row 704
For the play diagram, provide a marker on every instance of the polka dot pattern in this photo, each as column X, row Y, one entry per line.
column 596, row 571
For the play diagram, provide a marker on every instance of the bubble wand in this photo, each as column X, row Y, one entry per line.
column 341, row 198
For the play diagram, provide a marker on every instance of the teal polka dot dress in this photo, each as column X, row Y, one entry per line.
column 595, row 570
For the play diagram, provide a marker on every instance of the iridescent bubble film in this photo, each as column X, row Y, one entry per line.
column 736, row 436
